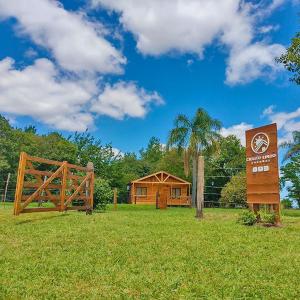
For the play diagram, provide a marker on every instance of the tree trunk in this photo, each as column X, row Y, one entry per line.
column 200, row 188
column 194, row 186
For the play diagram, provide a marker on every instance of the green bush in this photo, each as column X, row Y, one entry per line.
column 286, row 203
column 267, row 217
column 234, row 192
column 103, row 194
column 247, row 218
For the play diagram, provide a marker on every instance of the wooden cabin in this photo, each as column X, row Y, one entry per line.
column 160, row 186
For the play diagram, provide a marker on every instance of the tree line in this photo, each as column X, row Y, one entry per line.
column 225, row 181
column 225, row 156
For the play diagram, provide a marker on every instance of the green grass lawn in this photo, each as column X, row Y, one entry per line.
column 142, row 253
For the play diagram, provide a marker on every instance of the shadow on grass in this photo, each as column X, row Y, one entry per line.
column 41, row 219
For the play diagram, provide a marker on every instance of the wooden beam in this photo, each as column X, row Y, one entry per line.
column 54, row 175
column 166, row 178
column 20, row 181
column 70, row 199
column 40, row 209
column 168, row 183
column 63, row 185
column 92, row 183
column 28, row 184
column 38, row 172
column 157, row 178
column 38, row 178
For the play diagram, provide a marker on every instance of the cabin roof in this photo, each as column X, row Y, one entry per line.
column 160, row 175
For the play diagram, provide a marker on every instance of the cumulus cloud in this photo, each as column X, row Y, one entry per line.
column 45, row 91
column 269, row 110
column 251, row 62
column 37, row 92
column 287, row 122
column 125, row 99
column 76, row 43
column 237, row 130
column 68, row 103
column 162, row 26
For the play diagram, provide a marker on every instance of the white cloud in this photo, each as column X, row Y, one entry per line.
column 269, row 110
column 268, row 28
column 37, row 92
column 117, row 152
column 287, row 122
column 30, row 53
column 237, row 130
column 125, row 99
column 69, row 103
column 253, row 61
column 162, row 26
column 49, row 94
column 283, row 118
column 77, row 44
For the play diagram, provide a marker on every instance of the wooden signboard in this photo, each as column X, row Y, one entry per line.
column 262, row 166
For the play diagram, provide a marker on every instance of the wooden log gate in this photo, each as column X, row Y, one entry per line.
column 66, row 186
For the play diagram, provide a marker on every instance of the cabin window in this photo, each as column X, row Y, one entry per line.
column 176, row 193
column 141, row 191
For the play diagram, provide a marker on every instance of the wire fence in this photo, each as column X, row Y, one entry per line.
column 212, row 193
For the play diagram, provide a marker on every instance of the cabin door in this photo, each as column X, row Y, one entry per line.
column 163, row 197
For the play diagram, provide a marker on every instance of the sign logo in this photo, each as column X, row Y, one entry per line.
column 260, row 143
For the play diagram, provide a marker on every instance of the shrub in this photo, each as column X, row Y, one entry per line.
column 267, row 217
column 286, row 203
column 234, row 192
column 247, row 218
column 103, row 194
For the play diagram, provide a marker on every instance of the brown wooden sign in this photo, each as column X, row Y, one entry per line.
column 262, row 165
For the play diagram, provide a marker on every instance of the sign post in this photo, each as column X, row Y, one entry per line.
column 262, row 169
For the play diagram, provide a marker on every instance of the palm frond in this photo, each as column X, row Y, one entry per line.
column 182, row 121
column 292, row 146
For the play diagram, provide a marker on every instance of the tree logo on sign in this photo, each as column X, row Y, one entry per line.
column 260, row 143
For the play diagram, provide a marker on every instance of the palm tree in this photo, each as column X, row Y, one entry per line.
column 193, row 137
column 293, row 146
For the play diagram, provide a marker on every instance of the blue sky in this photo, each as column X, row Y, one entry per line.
column 125, row 69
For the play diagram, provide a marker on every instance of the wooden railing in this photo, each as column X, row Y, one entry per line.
column 151, row 198
column 182, row 200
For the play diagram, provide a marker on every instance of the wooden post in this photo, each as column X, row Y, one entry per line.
column 5, row 190
column 200, row 188
column 20, row 181
column 194, row 186
column 90, row 167
column 63, row 186
column 115, row 198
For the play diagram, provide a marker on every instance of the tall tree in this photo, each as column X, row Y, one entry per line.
column 291, row 178
column 152, row 154
column 225, row 162
column 193, row 137
column 291, row 59
column 293, row 147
